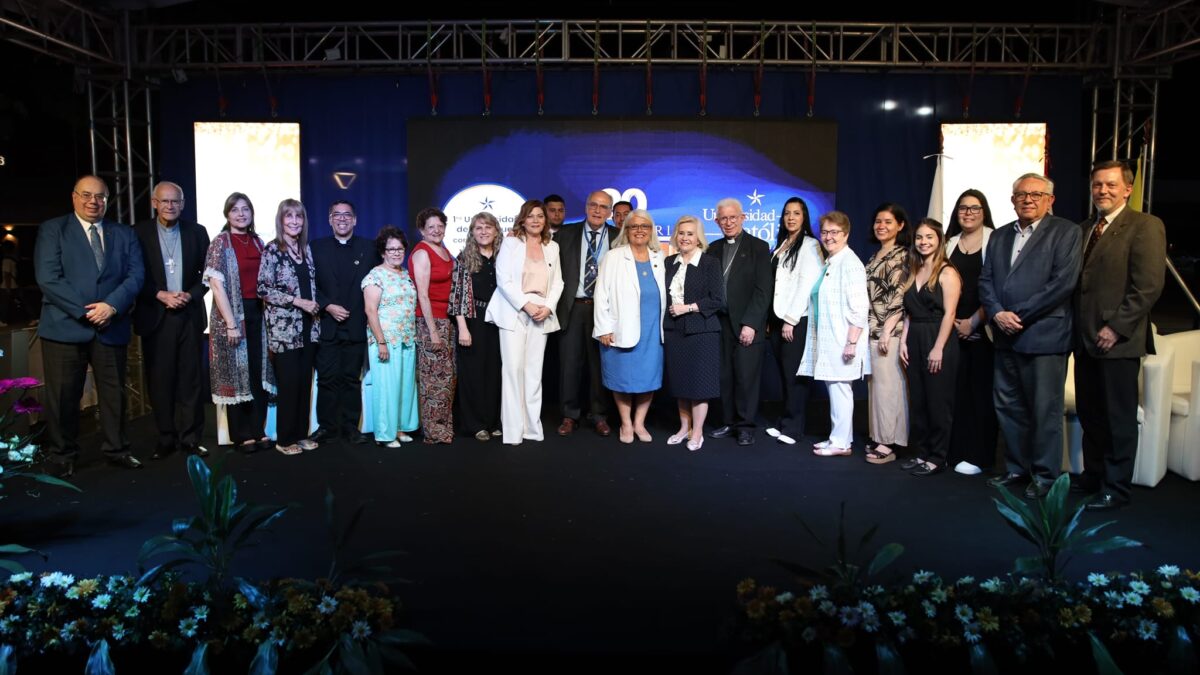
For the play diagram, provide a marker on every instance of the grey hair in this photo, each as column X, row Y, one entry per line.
column 623, row 240
column 177, row 186
column 730, row 201
column 1049, row 183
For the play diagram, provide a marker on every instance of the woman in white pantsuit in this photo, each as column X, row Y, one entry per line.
column 528, row 283
column 836, row 348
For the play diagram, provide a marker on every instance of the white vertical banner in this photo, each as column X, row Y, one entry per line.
column 935, row 193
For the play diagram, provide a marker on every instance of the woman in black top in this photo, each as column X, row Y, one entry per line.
column 478, row 341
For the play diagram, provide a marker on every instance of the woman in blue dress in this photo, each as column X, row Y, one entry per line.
column 630, row 298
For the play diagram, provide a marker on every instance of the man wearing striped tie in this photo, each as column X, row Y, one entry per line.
column 1124, row 262
column 90, row 271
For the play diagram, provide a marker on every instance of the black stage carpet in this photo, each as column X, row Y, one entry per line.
column 573, row 553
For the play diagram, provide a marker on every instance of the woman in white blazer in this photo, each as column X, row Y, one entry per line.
column 630, row 297
column 528, row 283
column 797, row 262
column 973, row 436
column 836, row 349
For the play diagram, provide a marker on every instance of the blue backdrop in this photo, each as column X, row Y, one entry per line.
column 359, row 123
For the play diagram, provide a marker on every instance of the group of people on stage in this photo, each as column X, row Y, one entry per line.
column 964, row 331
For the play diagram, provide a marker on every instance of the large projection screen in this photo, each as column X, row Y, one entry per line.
column 989, row 157
column 669, row 167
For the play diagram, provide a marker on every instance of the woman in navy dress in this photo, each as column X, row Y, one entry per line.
column 630, row 298
column 692, row 329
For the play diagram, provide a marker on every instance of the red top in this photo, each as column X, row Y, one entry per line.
column 440, row 274
column 248, row 249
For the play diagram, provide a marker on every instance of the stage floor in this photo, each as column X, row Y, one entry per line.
column 578, row 548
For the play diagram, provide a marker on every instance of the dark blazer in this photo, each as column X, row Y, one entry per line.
column 66, row 272
column 571, row 241
column 703, row 286
column 1037, row 287
column 1120, row 282
column 193, row 240
column 750, row 285
column 336, row 286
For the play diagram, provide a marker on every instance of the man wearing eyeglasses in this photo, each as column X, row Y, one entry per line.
column 1026, row 287
column 90, row 271
column 341, row 262
column 749, row 287
column 581, row 248
column 170, row 318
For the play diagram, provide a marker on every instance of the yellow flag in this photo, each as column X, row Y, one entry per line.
column 1139, row 186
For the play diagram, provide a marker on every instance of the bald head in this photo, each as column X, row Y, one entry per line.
column 168, row 203
column 90, row 198
column 599, row 206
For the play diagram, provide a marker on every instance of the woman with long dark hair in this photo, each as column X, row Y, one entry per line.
column 797, row 262
column 973, row 439
column 887, row 396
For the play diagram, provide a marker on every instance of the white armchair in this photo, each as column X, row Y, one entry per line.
column 1153, row 416
column 1183, row 451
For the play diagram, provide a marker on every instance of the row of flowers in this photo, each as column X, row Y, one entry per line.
column 55, row 612
column 1012, row 615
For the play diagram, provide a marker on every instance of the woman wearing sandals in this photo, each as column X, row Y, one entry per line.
column 288, row 286
column 692, row 330
column 629, row 301
column 390, row 301
column 929, row 351
column 835, row 350
column 887, row 398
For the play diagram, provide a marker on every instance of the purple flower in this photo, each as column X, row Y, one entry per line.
column 18, row 383
column 27, row 405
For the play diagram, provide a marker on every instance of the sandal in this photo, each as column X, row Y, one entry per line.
column 292, row 449
column 876, row 457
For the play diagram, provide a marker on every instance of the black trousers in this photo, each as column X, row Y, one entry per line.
column 247, row 420
column 339, row 386
column 293, row 376
column 479, row 378
column 974, row 433
column 793, row 386
column 930, row 395
column 1106, row 398
column 741, row 377
column 65, row 365
column 173, row 355
column 577, row 351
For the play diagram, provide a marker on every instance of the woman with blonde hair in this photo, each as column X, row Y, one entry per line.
column 478, row 341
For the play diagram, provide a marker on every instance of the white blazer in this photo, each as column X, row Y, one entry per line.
column 843, row 302
column 794, row 285
column 504, row 309
column 953, row 241
column 618, row 296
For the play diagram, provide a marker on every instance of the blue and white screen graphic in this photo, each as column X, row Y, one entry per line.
column 670, row 168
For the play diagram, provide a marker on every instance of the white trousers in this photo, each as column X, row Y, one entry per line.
column 841, row 413
column 521, row 354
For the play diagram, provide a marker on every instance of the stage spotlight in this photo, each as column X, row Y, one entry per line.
column 333, row 54
column 925, row 110
column 889, row 105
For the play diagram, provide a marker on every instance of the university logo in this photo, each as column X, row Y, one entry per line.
column 499, row 200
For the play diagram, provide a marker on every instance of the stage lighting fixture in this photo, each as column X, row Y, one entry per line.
column 925, row 110
column 179, row 74
column 344, row 179
column 333, row 54
column 889, row 105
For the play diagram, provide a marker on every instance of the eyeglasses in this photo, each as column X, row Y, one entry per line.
column 88, row 196
column 394, row 250
column 341, row 215
column 969, row 209
column 832, row 233
column 595, row 205
column 638, row 226
column 729, row 219
column 1032, row 196
column 168, row 202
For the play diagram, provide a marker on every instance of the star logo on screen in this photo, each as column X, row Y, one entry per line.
column 486, row 203
column 755, row 199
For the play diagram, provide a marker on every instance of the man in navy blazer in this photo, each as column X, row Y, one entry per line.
column 90, row 271
column 1026, row 287
column 170, row 319
column 341, row 262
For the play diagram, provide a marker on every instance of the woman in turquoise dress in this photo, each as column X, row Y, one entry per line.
column 391, row 307
column 630, row 299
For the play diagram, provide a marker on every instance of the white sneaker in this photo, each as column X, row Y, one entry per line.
column 967, row 469
column 786, row 440
column 773, row 432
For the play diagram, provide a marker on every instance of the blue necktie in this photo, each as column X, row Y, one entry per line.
column 591, row 269
column 97, row 247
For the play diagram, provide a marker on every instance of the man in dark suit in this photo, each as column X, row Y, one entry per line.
column 556, row 212
column 341, row 262
column 1124, row 262
column 170, row 318
column 581, row 247
column 90, row 271
column 1026, row 286
column 746, row 267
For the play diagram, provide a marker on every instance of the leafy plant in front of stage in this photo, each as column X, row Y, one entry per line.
column 18, row 453
column 1054, row 529
column 844, row 572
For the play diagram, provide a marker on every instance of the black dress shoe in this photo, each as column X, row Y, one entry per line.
column 927, row 469
column 362, row 439
column 264, row 444
column 721, row 432
column 911, row 463
column 1108, row 502
column 162, row 450
column 745, row 438
column 1079, row 486
column 1008, row 480
column 197, row 450
column 125, row 461
column 321, row 434
column 60, row 469
column 1036, row 489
